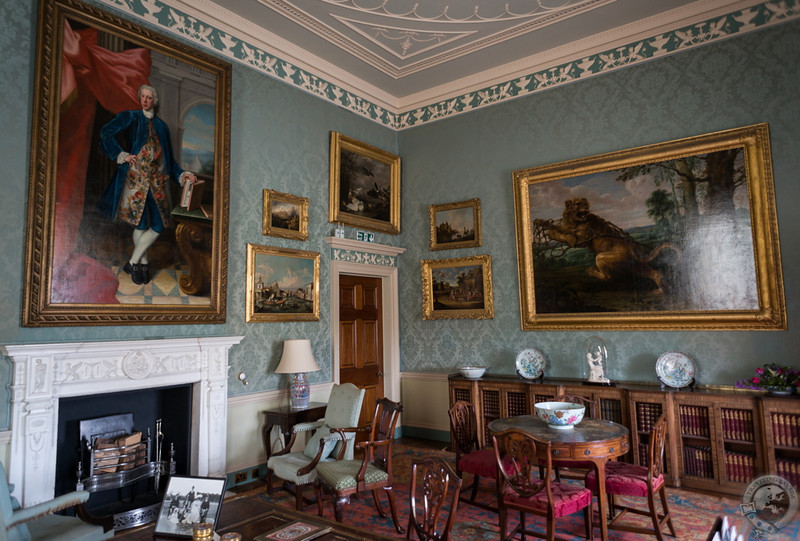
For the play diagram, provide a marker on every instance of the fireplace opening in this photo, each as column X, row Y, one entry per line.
column 172, row 406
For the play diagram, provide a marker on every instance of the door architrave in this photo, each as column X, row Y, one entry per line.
column 390, row 315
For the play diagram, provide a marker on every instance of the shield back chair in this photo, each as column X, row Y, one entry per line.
column 39, row 522
column 299, row 468
column 576, row 469
column 624, row 479
column 373, row 471
column 470, row 458
column 518, row 455
column 435, row 487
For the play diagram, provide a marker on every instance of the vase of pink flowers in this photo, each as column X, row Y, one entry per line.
column 775, row 379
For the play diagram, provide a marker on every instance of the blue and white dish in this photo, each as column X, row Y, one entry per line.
column 530, row 363
column 675, row 369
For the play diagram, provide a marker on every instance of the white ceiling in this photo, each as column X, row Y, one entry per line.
column 406, row 53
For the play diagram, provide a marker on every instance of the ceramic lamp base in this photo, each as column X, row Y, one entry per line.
column 300, row 391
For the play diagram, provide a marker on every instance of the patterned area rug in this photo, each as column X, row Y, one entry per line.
column 693, row 513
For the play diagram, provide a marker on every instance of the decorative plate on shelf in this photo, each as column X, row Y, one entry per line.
column 530, row 363
column 675, row 369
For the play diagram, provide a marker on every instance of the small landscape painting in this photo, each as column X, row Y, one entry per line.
column 282, row 284
column 456, row 225
column 457, row 288
column 285, row 215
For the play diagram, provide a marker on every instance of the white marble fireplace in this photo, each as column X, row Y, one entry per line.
column 44, row 373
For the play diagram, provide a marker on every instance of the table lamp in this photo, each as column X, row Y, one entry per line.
column 297, row 359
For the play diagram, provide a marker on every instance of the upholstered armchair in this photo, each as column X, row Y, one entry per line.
column 299, row 467
column 38, row 522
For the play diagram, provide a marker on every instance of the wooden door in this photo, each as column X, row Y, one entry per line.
column 361, row 338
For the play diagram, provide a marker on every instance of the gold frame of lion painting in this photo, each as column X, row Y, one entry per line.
column 438, row 278
column 75, row 256
column 351, row 162
column 676, row 235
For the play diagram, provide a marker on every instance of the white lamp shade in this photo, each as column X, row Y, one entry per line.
column 297, row 357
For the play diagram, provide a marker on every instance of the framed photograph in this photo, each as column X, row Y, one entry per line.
column 107, row 240
column 364, row 186
column 459, row 288
column 282, row 284
column 285, row 215
column 456, row 225
column 676, row 235
column 189, row 501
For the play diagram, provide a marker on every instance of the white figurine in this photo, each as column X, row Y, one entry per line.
column 595, row 361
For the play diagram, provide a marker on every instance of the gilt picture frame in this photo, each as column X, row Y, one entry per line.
column 285, row 215
column 282, row 284
column 81, row 264
column 455, row 225
column 364, row 186
column 457, row 288
column 680, row 235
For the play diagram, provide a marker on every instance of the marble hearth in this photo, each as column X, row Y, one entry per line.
column 45, row 373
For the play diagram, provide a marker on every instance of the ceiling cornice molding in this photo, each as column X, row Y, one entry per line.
column 208, row 26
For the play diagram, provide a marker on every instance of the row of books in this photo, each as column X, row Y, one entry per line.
column 789, row 470
column 697, row 461
column 737, row 424
column 646, row 415
column 786, row 429
column 740, row 467
column 611, row 410
column 694, row 420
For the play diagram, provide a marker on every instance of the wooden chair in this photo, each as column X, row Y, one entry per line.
column 624, row 479
column 299, row 468
column 470, row 458
column 433, row 478
column 373, row 471
column 517, row 455
column 577, row 468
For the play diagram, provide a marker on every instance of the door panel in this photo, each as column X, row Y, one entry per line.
column 361, row 338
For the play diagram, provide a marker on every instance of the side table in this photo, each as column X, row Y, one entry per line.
column 286, row 418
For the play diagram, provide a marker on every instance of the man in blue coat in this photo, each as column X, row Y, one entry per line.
column 139, row 194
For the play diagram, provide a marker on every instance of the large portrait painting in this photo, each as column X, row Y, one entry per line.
column 128, row 193
column 677, row 235
column 364, row 186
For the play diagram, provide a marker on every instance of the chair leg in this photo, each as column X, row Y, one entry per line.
column 475, row 482
column 502, row 513
column 667, row 515
column 338, row 504
column 378, row 503
column 588, row 514
column 393, row 509
column 318, row 495
column 651, row 505
column 298, row 497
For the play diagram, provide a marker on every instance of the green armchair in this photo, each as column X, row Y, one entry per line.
column 39, row 521
column 299, row 468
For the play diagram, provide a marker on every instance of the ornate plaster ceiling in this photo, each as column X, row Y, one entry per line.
column 403, row 52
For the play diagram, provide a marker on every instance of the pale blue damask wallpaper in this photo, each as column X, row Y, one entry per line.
column 732, row 83
column 280, row 141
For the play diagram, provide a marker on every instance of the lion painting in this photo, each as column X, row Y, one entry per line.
column 614, row 249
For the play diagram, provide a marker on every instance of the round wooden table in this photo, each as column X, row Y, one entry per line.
column 594, row 440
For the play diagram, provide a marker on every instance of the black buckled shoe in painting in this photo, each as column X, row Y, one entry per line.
column 135, row 272
column 144, row 273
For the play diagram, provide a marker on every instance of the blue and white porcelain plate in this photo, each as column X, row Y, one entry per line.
column 675, row 369
column 530, row 363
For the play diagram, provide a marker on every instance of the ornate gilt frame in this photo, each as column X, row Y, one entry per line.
column 384, row 173
column 45, row 201
column 274, row 259
column 272, row 197
column 578, row 177
column 433, row 210
column 456, row 306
